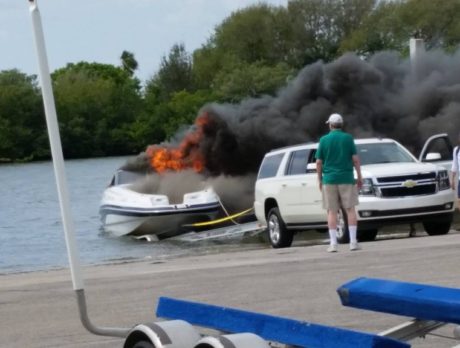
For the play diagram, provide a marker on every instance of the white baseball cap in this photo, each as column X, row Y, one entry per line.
column 335, row 118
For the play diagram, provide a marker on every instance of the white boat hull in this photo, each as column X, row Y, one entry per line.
column 126, row 212
column 164, row 224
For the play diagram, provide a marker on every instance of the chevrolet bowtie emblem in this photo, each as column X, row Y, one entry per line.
column 409, row 183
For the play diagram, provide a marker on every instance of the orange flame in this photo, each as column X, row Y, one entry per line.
column 186, row 156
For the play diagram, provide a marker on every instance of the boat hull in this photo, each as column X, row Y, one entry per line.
column 163, row 222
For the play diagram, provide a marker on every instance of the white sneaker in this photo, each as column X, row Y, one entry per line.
column 354, row 246
column 332, row 248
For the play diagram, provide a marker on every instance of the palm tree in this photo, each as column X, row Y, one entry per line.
column 128, row 62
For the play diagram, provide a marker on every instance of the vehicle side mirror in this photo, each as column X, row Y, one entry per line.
column 433, row 156
column 311, row 168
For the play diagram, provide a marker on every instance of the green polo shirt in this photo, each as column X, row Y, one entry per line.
column 335, row 151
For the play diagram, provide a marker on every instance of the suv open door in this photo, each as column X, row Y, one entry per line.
column 438, row 150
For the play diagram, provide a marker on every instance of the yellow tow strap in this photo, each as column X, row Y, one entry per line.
column 213, row 222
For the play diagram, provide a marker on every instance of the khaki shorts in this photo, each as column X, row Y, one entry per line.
column 339, row 196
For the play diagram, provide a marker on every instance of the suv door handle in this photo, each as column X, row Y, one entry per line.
column 283, row 185
column 304, row 184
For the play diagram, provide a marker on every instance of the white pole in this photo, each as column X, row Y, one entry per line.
column 416, row 50
column 59, row 172
column 56, row 148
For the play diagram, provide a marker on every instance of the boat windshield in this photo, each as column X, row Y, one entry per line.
column 125, row 177
column 382, row 153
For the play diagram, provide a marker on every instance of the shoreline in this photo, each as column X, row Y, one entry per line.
column 158, row 258
column 309, row 238
column 299, row 282
column 254, row 242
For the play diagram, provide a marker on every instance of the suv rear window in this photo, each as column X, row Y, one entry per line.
column 298, row 162
column 269, row 166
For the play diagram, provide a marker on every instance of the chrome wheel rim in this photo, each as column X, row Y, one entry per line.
column 274, row 229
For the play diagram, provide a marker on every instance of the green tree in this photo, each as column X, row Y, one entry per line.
column 183, row 109
column 250, row 80
column 148, row 126
column 259, row 35
column 128, row 62
column 384, row 29
column 434, row 21
column 207, row 61
column 162, row 119
column 175, row 73
column 321, row 25
column 393, row 23
column 96, row 103
column 22, row 123
column 256, row 33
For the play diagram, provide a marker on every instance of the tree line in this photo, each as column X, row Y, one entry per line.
column 105, row 110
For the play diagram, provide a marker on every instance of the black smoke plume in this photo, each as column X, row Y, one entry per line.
column 384, row 96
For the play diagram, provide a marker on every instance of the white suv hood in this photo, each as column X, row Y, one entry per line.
column 391, row 169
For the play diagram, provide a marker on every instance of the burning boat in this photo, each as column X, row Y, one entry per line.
column 169, row 189
column 136, row 204
column 126, row 211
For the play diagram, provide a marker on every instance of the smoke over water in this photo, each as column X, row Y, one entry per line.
column 384, row 96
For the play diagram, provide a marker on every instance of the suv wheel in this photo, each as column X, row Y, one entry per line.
column 343, row 235
column 278, row 234
column 437, row 228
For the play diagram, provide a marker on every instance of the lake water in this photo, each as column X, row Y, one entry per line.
column 31, row 233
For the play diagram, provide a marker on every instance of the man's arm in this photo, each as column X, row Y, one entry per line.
column 319, row 171
column 357, row 165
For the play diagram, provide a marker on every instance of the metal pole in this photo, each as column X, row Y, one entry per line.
column 59, row 172
column 56, row 148
column 101, row 331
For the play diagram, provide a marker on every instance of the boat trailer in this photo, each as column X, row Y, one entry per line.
column 430, row 306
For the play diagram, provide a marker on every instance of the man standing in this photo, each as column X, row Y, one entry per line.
column 335, row 159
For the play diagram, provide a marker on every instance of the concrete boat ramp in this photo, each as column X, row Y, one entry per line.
column 39, row 309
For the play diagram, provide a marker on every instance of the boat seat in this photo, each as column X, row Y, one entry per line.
column 271, row 328
column 420, row 301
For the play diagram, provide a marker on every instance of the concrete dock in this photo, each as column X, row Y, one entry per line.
column 39, row 309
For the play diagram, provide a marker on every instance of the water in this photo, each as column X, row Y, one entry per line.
column 31, row 232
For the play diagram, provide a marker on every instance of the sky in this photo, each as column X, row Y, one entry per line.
column 100, row 30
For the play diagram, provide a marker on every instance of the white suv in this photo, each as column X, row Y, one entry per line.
column 397, row 188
